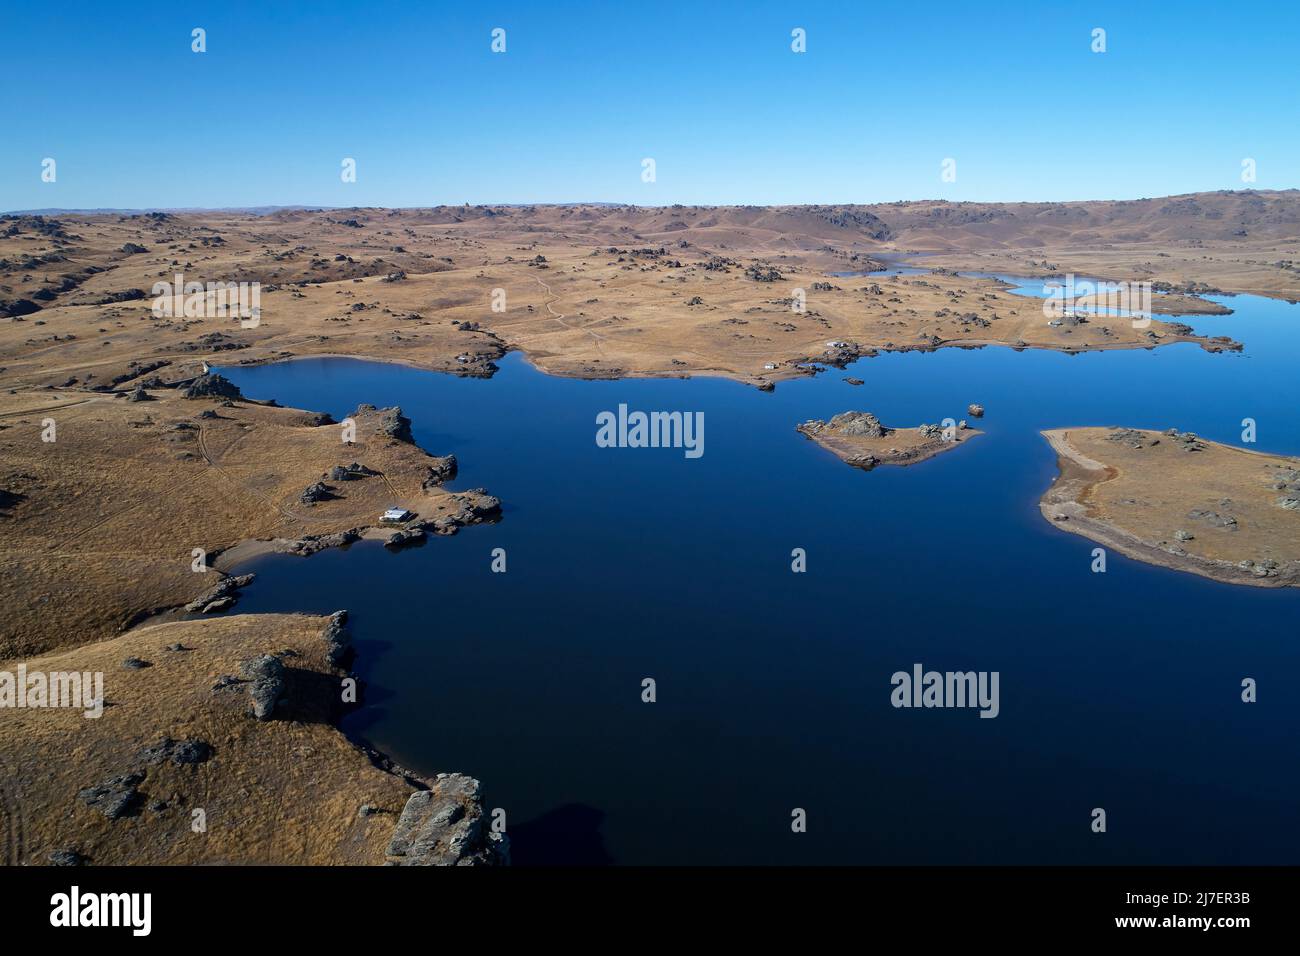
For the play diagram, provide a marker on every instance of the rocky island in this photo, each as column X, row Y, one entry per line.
column 860, row 439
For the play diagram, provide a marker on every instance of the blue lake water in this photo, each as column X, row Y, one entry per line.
column 1118, row 690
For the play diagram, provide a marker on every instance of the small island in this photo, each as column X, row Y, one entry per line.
column 860, row 439
column 1179, row 501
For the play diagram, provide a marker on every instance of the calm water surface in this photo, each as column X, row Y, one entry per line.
column 1118, row 690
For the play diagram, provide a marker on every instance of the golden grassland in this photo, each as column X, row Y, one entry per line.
column 285, row 791
column 1180, row 502
column 108, row 514
column 98, row 527
column 605, row 291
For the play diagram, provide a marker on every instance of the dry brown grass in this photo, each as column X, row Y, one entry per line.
column 600, row 307
column 284, row 791
column 1137, row 499
column 110, row 512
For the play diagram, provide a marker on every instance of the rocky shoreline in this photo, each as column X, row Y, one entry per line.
column 219, row 743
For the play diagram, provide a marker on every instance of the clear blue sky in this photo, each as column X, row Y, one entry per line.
column 585, row 91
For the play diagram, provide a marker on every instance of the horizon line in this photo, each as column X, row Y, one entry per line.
column 313, row 207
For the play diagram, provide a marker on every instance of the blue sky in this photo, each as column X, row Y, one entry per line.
column 585, row 91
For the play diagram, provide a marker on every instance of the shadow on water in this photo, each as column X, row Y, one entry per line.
column 565, row 836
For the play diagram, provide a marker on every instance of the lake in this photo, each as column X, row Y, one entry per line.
column 1118, row 690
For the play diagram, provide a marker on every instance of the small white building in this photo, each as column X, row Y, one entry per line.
column 396, row 515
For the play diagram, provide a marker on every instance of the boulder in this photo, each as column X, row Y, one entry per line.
column 444, row 826
column 859, row 424
column 212, row 385
column 266, row 684
column 180, row 752
column 442, row 469
column 115, row 798
column 336, row 638
column 226, row 587
column 316, row 492
column 392, row 422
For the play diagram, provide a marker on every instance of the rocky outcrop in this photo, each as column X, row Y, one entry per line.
column 221, row 595
column 861, row 440
column 266, row 689
column 316, row 492
column 445, row 826
column 180, row 752
column 858, row 424
column 212, row 385
column 440, row 470
column 351, row 472
column 475, row 506
column 337, row 640
column 392, row 423
column 115, row 798
column 400, row 539
column 313, row 543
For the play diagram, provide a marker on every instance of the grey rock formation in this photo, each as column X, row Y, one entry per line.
column 115, row 798
column 336, row 637
column 319, row 542
column 68, row 857
column 266, row 684
column 212, row 385
column 445, row 826
column 226, row 587
column 180, row 752
column 350, row 472
column 442, row 469
column 315, row 492
column 862, row 424
column 391, row 422
column 402, row 538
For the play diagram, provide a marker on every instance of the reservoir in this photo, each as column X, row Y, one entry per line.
column 772, row 688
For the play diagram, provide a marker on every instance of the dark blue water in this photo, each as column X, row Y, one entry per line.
column 1118, row 690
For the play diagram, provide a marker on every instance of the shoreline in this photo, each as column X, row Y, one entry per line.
column 1063, row 504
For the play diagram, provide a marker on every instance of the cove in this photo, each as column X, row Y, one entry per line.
column 1118, row 690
